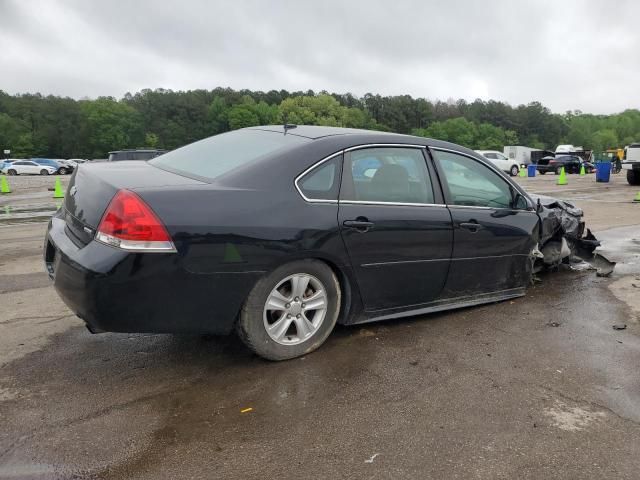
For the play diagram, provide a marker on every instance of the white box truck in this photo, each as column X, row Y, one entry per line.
column 520, row 154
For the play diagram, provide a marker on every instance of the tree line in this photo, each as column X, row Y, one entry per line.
column 34, row 125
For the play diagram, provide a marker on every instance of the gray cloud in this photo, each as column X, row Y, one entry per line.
column 568, row 55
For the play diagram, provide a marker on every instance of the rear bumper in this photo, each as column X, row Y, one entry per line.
column 116, row 291
column 631, row 165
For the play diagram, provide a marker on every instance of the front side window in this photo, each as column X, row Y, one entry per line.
column 323, row 182
column 499, row 156
column 469, row 182
column 492, row 156
column 387, row 174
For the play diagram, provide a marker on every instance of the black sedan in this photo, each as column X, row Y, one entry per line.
column 570, row 163
column 282, row 232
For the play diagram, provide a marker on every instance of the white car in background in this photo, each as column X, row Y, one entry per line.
column 501, row 161
column 27, row 167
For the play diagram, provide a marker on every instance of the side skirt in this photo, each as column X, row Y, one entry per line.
column 439, row 306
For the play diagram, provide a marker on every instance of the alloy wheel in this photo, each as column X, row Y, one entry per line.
column 295, row 309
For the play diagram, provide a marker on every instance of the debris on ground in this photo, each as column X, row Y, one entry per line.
column 553, row 324
column 372, row 458
column 621, row 326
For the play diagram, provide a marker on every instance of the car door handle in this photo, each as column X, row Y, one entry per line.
column 472, row 226
column 362, row 225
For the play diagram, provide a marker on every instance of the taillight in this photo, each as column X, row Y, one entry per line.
column 130, row 224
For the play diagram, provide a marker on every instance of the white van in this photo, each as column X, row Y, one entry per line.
column 501, row 161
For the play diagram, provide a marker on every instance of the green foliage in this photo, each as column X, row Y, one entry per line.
column 151, row 140
column 109, row 125
column 49, row 126
column 483, row 136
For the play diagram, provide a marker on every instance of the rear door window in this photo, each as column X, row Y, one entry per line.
column 388, row 175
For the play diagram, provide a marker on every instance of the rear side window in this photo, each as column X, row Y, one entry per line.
column 217, row 155
column 323, row 182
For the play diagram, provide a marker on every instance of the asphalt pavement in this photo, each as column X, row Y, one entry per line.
column 538, row 387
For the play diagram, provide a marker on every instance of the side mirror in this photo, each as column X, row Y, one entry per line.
column 538, row 206
column 520, row 202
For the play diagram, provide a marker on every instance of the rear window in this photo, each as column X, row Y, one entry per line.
column 217, row 155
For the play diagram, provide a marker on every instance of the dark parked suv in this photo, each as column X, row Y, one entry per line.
column 147, row 154
column 571, row 164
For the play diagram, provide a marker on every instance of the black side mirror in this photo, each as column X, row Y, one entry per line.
column 520, row 202
column 538, row 206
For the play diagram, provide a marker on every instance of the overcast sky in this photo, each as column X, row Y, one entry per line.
column 566, row 54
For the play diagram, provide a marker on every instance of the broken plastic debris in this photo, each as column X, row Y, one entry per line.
column 372, row 458
column 621, row 326
column 246, row 410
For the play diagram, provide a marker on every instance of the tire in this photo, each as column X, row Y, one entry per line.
column 255, row 315
column 63, row 171
column 514, row 171
column 12, row 172
column 44, row 172
column 542, row 172
column 558, row 170
column 633, row 177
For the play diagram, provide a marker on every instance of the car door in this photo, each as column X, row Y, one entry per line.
column 21, row 168
column 394, row 225
column 32, row 168
column 503, row 162
column 494, row 227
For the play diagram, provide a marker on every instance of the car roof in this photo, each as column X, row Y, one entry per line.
column 138, row 150
column 316, row 132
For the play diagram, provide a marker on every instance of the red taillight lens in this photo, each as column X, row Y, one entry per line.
column 130, row 224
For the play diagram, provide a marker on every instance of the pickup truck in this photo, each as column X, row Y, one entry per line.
column 631, row 163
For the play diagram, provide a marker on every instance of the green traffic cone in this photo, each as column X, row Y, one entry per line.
column 582, row 172
column 522, row 172
column 58, row 192
column 562, row 179
column 4, row 185
column 637, row 199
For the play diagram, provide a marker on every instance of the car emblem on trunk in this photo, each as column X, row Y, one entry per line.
column 73, row 190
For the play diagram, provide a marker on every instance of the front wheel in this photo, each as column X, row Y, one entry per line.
column 12, row 172
column 514, row 170
column 44, row 172
column 63, row 171
column 558, row 170
column 542, row 172
column 291, row 311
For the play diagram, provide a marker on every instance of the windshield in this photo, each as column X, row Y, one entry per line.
column 217, row 155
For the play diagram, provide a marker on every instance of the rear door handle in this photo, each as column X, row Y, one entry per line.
column 472, row 226
column 360, row 225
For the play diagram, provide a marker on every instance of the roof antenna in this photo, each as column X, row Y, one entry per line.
column 288, row 126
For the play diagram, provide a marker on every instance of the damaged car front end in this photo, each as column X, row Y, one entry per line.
column 563, row 239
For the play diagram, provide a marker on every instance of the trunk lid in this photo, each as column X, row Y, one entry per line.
column 93, row 186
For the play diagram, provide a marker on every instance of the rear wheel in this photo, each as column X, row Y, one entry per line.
column 12, row 172
column 558, row 170
column 291, row 311
column 44, row 172
column 633, row 177
column 63, row 171
column 514, row 170
column 542, row 172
